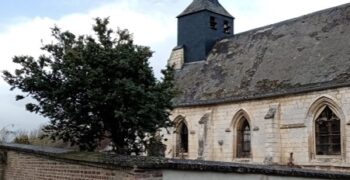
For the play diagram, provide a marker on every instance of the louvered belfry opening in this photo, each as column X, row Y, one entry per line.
column 328, row 137
column 243, row 139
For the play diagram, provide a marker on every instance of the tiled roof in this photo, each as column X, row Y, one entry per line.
column 299, row 55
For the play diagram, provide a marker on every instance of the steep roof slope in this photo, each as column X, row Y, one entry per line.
column 308, row 53
column 202, row 5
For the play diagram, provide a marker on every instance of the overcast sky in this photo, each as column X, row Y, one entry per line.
column 25, row 25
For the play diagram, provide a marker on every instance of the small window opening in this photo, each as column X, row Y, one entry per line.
column 227, row 27
column 213, row 22
column 184, row 138
column 182, row 142
column 328, row 133
column 243, row 140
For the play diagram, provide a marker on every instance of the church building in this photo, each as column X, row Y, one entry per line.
column 278, row 94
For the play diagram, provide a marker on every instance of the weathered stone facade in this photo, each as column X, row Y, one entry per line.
column 290, row 130
column 177, row 58
column 278, row 94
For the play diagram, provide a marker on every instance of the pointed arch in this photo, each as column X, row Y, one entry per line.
column 327, row 133
column 182, row 133
column 318, row 106
column 243, row 139
column 238, row 115
column 178, row 120
column 242, row 134
column 326, row 121
column 181, row 136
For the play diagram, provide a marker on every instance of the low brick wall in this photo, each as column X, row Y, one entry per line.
column 2, row 171
column 22, row 166
column 36, row 165
column 25, row 162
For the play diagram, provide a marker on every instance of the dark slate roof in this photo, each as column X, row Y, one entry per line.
column 202, row 5
column 304, row 54
column 113, row 161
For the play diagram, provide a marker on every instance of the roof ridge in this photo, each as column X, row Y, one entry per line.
column 209, row 5
column 287, row 21
column 272, row 61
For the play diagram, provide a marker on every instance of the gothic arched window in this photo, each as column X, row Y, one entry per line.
column 328, row 133
column 182, row 139
column 243, row 139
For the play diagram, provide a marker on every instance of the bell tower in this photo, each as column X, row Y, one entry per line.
column 200, row 25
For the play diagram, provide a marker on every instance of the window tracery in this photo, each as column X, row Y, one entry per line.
column 327, row 132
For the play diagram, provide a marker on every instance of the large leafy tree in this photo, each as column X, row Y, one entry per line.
column 96, row 87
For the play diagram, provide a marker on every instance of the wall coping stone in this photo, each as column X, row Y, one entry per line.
column 109, row 160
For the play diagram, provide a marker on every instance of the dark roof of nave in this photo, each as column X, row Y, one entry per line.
column 208, row 5
column 304, row 54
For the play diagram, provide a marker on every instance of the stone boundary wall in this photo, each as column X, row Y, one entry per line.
column 24, row 162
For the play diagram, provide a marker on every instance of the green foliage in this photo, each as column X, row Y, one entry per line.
column 95, row 88
column 155, row 147
column 38, row 138
column 22, row 139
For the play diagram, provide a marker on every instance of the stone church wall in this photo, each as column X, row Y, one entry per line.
column 177, row 58
column 289, row 129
